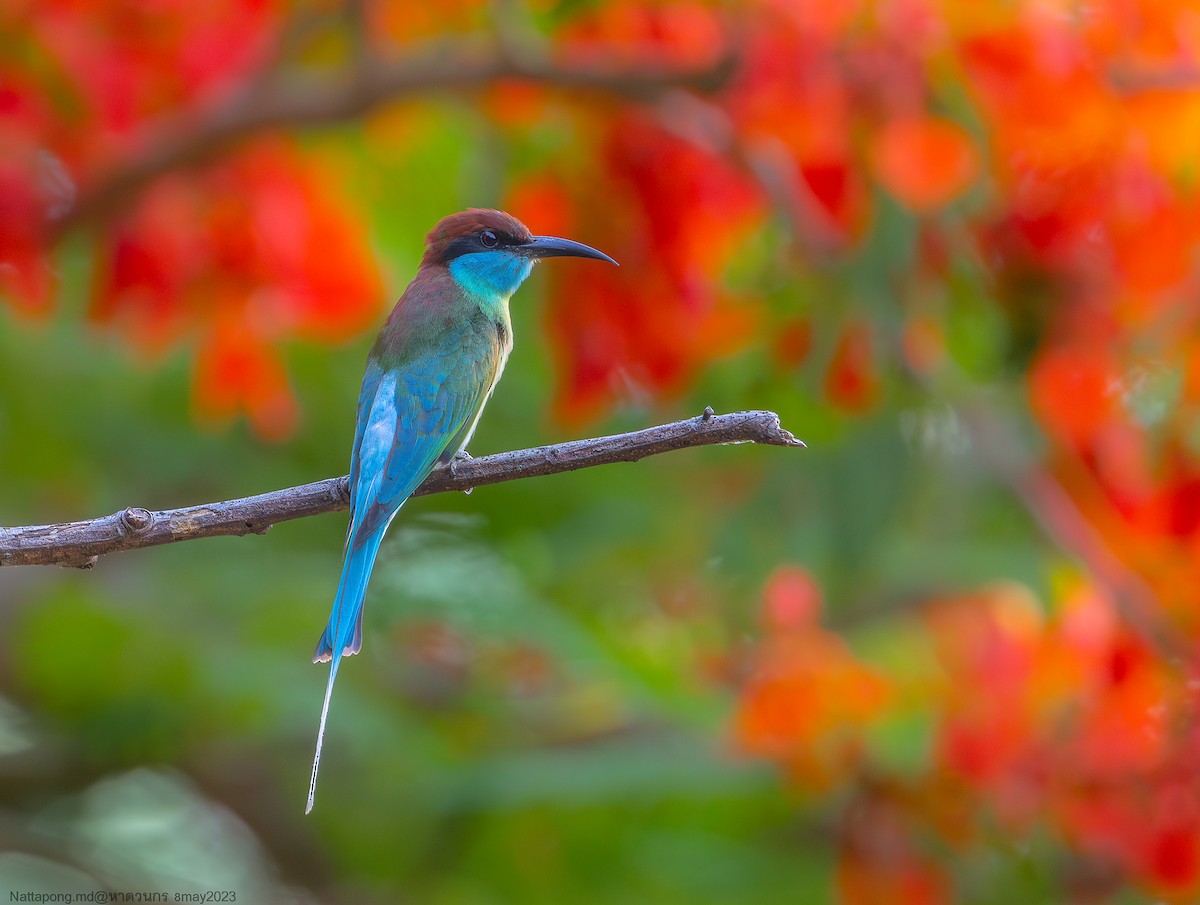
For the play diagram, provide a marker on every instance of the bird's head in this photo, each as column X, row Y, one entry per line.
column 490, row 253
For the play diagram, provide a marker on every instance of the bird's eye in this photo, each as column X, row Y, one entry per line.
column 488, row 239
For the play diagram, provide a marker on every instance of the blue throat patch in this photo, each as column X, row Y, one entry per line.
column 490, row 274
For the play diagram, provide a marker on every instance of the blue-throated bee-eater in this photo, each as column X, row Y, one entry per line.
column 429, row 375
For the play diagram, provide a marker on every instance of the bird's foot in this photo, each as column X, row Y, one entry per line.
column 459, row 457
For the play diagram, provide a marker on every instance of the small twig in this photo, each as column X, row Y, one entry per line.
column 79, row 544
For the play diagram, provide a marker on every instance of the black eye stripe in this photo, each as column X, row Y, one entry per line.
column 473, row 243
column 488, row 239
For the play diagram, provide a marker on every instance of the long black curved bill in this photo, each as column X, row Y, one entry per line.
column 551, row 247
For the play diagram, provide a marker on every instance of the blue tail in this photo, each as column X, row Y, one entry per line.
column 343, row 634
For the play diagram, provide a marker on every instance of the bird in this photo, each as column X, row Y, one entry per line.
column 429, row 375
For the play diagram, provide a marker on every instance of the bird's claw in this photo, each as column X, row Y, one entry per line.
column 461, row 456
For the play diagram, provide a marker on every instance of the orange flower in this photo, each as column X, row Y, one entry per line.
column 925, row 162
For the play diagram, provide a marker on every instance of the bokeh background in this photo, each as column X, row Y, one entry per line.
column 946, row 654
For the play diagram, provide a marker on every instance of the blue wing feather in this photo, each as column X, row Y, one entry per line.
column 370, row 386
column 405, row 425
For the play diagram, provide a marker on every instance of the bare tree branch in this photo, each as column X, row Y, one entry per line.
column 296, row 99
column 79, row 544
